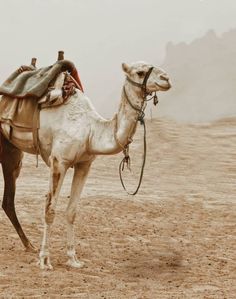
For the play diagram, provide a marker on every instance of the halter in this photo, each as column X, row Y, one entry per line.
column 143, row 85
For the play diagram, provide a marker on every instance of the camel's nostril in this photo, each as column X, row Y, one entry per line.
column 164, row 77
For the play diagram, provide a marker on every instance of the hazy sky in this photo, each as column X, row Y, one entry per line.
column 99, row 35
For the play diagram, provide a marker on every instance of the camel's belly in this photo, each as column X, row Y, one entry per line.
column 22, row 140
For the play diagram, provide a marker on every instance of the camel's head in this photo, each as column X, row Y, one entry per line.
column 142, row 73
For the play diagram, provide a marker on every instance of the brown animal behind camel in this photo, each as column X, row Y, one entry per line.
column 11, row 160
column 73, row 135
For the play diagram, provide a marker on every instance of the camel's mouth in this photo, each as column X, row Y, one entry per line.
column 163, row 86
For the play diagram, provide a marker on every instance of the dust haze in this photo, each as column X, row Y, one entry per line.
column 176, row 238
column 99, row 36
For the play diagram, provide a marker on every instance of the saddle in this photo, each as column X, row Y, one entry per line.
column 28, row 90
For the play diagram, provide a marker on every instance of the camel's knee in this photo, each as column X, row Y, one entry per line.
column 70, row 216
column 50, row 215
column 57, row 171
column 11, row 170
column 49, row 210
column 4, row 206
column 17, row 169
column 8, row 199
column 8, row 208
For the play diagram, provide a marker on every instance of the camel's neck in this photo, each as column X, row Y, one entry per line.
column 110, row 137
column 127, row 116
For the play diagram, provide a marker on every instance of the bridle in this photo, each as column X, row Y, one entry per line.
column 142, row 85
column 145, row 94
column 140, row 118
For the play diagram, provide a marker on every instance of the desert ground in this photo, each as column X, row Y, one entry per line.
column 175, row 239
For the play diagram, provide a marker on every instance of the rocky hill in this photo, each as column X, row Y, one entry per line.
column 203, row 74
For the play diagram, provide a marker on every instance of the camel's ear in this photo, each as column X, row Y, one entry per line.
column 125, row 67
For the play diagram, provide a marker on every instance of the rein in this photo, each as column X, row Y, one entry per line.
column 141, row 115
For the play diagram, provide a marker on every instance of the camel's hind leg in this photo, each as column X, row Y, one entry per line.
column 11, row 158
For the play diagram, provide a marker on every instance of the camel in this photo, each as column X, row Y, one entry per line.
column 73, row 135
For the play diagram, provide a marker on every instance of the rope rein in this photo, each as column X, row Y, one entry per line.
column 127, row 161
column 140, row 118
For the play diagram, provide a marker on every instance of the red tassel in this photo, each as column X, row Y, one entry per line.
column 75, row 75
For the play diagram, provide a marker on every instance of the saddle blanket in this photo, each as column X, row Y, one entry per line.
column 35, row 82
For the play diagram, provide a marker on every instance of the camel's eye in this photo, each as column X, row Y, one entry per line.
column 141, row 74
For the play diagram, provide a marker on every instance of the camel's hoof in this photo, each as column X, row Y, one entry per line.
column 47, row 267
column 44, row 263
column 74, row 264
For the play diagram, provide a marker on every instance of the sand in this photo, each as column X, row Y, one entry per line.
column 175, row 239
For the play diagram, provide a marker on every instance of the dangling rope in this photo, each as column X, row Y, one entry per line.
column 126, row 160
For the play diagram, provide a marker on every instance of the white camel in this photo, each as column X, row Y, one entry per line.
column 73, row 135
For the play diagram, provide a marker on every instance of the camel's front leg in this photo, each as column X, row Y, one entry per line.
column 57, row 173
column 80, row 174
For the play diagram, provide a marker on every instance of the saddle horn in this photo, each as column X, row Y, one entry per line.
column 60, row 55
column 33, row 62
